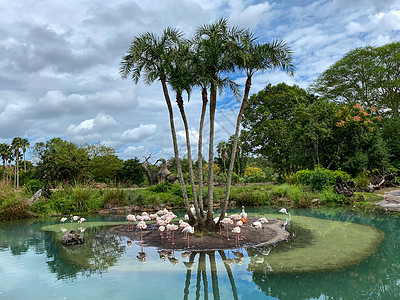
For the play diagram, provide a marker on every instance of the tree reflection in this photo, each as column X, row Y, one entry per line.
column 201, row 276
column 99, row 252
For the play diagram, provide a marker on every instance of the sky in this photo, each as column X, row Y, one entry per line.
column 60, row 60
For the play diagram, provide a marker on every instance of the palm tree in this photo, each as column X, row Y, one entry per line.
column 252, row 57
column 15, row 145
column 24, row 145
column 4, row 152
column 215, row 44
column 180, row 76
column 222, row 150
column 149, row 54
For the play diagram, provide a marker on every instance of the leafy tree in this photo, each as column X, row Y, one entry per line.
column 60, row 160
column 132, row 172
column 103, row 168
column 5, row 153
column 369, row 75
column 24, row 145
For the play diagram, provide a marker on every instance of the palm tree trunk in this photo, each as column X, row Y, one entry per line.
column 179, row 101
column 24, row 162
column 200, row 155
column 234, row 147
column 210, row 196
column 175, row 143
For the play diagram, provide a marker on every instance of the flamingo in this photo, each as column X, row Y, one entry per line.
column 235, row 217
column 216, row 221
column 263, row 220
column 186, row 217
column 81, row 220
column 129, row 243
column 186, row 254
column 173, row 228
column 227, row 221
column 237, row 230
column 131, row 219
column 183, row 225
column 257, row 224
column 284, row 211
column 142, row 256
column 63, row 219
column 188, row 230
column 243, row 215
column 161, row 229
column 74, row 218
column 141, row 225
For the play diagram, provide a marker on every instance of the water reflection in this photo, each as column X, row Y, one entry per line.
column 201, row 275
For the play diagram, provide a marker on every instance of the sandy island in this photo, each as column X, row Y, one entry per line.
column 271, row 233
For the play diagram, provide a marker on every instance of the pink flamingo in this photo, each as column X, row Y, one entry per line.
column 141, row 225
column 130, row 218
column 226, row 222
column 237, row 230
column 188, row 230
column 173, row 228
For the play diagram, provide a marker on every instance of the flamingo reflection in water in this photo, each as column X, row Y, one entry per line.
column 142, row 256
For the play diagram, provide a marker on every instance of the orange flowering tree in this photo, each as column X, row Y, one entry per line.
column 360, row 144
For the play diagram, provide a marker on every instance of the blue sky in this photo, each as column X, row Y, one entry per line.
column 59, row 62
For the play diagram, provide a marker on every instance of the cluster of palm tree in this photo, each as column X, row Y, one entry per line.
column 12, row 152
column 207, row 62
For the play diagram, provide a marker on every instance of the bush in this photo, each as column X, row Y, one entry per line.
column 113, row 198
column 319, row 179
column 329, row 196
column 161, row 187
column 303, row 176
column 361, row 181
column 33, row 185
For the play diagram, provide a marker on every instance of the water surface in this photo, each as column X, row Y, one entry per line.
column 33, row 264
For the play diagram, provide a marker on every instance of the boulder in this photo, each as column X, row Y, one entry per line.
column 72, row 238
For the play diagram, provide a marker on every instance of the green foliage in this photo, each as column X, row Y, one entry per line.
column 303, row 176
column 115, row 198
column 75, row 200
column 319, row 179
column 330, row 197
column 132, row 172
column 104, row 168
column 13, row 204
column 163, row 187
column 362, row 180
column 33, row 185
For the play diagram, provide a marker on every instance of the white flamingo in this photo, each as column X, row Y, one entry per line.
column 188, row 230
column 257, row 224
column 263, row 220
column 237, row 230
column 173, row 228
column 284, row 211
column 243, row 214
column 161, row 229
column 81, row 220
column 62, row 220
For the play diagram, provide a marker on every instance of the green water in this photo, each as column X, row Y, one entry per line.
column 330, row 254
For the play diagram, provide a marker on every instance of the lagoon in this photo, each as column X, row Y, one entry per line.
column 34, row 265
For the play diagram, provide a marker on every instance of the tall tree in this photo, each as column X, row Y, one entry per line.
column 369, row 76
column 252, row 57
column 180, row 76
column 16, row 145
column 216, row 45
column 148, row 55
column 4, row 153
column 24, row 145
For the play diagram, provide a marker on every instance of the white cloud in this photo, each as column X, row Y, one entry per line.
column 139, row 133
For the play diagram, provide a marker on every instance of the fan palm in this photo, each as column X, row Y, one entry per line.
column 215, row 44
column 4, row 153
column 24, row 145
column 252, row 57
column 149, row 57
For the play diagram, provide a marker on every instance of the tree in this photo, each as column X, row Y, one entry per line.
column 24, row 146
column 16, row 145
column 148, row 56
column 252, row 57
column 215, row 43
column 132, row 172
column 369, row 75
column 222, row 150
column 4, row 153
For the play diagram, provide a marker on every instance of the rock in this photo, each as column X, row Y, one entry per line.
column 72, row 238
column 36, row 196
column 341, row 187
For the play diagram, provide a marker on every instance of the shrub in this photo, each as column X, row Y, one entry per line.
column 319, row 179
column 115, row 197
column 33, row 185
column 303, row 176
column 329, row 196
column 361, row 181
column 161, row 187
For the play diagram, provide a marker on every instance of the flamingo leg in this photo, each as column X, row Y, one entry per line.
column 220, row 229
column 227, row 232
column 173, row 234
column 188, row 241
column 141, row 235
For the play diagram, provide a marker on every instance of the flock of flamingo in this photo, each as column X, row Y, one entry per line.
column 163, row 218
